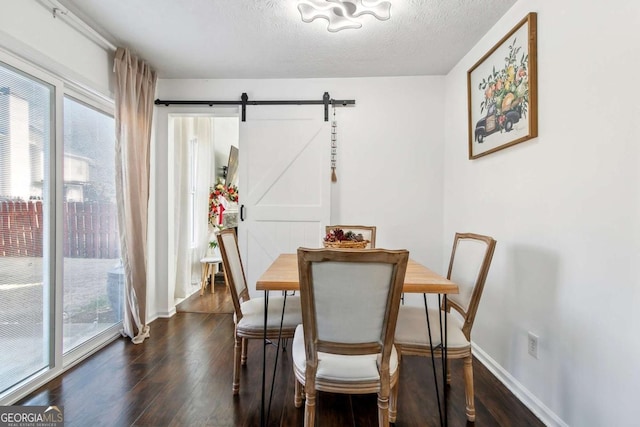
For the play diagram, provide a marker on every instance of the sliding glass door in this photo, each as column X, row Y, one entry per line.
column 93, row 281
column 61, row 282
column 26, row 136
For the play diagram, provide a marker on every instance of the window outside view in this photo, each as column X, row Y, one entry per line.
column 92, row 284
column 25, row 146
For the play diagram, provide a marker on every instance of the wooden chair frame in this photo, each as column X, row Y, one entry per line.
column 241, row 335
column 468, row 317
column 308, row 380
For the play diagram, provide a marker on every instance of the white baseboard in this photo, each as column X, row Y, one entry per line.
column 539, row 409
column 165, row 314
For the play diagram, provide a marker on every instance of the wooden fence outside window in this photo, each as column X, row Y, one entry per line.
column 90, row 229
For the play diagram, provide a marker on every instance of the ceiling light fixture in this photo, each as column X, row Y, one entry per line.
column 343, row 14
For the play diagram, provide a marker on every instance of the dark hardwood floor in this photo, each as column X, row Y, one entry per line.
column 181, row 376
column 217, row 302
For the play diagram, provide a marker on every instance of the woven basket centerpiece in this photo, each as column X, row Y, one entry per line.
column 347, row 244
column 337, row 238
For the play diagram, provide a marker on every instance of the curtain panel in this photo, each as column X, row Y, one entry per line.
column 135, row 90
column 188, row 252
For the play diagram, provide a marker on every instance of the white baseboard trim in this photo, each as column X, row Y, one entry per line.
column 539, row 409
column 195, row 288
column 170, row 313
column 166, row 314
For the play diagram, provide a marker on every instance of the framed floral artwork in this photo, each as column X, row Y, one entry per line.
column 502, row 92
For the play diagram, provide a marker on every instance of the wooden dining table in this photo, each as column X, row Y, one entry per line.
column 282, row 275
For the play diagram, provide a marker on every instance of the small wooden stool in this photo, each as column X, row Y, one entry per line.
column 209, row 269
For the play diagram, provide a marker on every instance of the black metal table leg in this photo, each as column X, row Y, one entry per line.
column 264, row 358
column 444, row 362
column 442, row 408
column 275, row 364
column 265, row 419
column 433, row 359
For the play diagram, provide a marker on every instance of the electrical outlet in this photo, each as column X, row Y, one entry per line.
column 532, row 344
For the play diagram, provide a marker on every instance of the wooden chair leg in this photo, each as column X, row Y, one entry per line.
column 448, row 371
column 310, row 409
column 211, row 273
column 393, row 406
column 298, row 394
column 383, row 411
column 203, row 279
column 244, row 351
column 468, row 388
column 237, row 349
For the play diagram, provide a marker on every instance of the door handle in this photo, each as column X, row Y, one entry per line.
column 241, row 212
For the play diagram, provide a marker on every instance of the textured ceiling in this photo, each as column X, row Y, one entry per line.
column 267, row 38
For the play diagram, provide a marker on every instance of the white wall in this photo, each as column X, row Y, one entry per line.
column 564, row 209
column 30, row 30
column 390, row 153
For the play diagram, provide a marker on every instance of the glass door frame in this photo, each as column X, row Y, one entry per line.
column 53, row 253
column 79, row 353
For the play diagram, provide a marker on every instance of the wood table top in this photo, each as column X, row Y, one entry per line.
column 282, row 275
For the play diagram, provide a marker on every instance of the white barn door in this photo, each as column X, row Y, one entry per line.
column 284, row 185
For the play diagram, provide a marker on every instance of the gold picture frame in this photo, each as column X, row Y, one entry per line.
column 502, row 91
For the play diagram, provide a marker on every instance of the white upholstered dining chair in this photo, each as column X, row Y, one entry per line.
column 249, row 312
column 343, row 344
column 368, row 232
column 468, row 268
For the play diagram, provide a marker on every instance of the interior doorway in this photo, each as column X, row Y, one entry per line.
column 199, row 145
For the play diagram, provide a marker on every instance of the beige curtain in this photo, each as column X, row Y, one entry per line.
column 135, row 90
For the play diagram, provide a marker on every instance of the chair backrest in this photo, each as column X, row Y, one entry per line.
column 233, row 270
column 367, row 231
column 350, row 300
column 468, row 268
